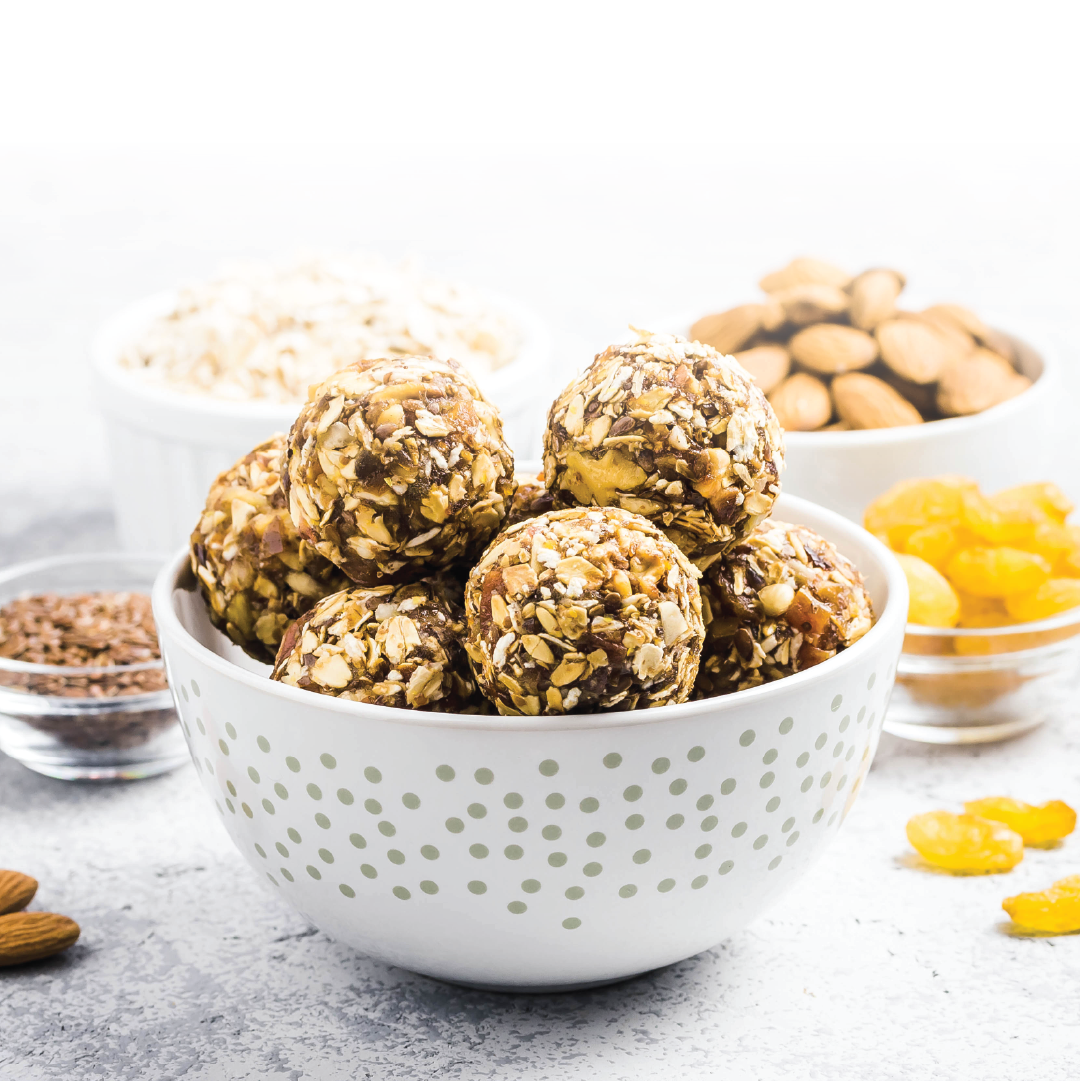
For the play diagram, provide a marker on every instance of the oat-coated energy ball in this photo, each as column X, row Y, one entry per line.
column 254, row 571
column 583, row 610
column 397, row 468
column 387, row 645
column 530, row 498
column 781, row 601
column 674, row 431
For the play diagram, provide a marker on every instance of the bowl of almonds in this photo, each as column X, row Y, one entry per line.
column 870, row 393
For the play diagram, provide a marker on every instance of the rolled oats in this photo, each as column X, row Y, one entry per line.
column 671, row 430
column 583, row 610
column 398, row 467
column 265, row 332
column 389, row 646
column 781, row 601
column 255, row 572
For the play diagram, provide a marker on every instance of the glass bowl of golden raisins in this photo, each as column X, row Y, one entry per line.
column 990, row 648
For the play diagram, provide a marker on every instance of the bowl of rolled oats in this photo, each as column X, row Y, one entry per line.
column 191, row 379
column 530, row 730
column 83, row 690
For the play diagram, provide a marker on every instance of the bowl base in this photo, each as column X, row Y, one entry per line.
column 135, row 771
column 537, row 989
column 962, row 734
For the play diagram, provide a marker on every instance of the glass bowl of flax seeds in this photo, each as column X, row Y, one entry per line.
column 83, row 689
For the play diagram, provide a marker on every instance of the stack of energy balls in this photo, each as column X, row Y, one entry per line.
column 386, row 552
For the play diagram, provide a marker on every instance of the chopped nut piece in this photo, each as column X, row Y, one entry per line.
column 254, row 571
column 693, row 445
column 779, row 602
column 389, row 646
column 610, row 618
column 386, row 500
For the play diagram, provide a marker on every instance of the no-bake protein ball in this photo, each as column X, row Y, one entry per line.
column 388, row 645
column 674, row 431
column 254, row 571
column 397, row 468
column 583, row 610
column 781, row 601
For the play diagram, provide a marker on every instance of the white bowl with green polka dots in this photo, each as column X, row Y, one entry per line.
column 544, row 852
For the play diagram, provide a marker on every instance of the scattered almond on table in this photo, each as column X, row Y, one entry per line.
column 29, row 936
column 834, row 352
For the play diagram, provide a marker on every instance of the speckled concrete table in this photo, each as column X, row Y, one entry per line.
column 190, row 968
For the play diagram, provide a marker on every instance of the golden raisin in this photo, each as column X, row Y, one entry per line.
column 936, row 543
column 915, row 503
column 1054, row 596
column 998, row 525
column 1036, row 824
column 931, row 599
column 1046, row 498
column 997, row 572
column 1057, row 910
column 966, row 844
column 983, row 611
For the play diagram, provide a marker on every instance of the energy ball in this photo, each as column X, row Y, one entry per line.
column 255, row 572
column 583, row 610
column 781, row 601
column 530, row 498
column 397, row 468
column 674, row 431
column 387, row 645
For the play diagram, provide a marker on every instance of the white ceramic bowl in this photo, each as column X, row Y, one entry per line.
column 534, row 853
column 165, row 448
column 997, row 448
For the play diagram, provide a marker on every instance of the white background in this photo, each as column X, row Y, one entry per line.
column 605, row 163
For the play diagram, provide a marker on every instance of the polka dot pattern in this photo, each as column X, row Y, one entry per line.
column 724, row 808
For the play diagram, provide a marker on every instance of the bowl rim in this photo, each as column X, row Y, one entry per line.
column 65, row 671
column 1037, row 626
column 890, row 620
column 997, row 414
column 123, row 325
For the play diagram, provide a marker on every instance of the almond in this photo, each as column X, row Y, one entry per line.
column 804, row 271
column 733, row 329
column 956, row 316
column 916, row 350
column 812, row 302
column 874, row 297
column 831, row 348
column 866, row 402
column 958, row 337
column 767, row 364
column 16, row 891
column 802, row 403
column 30, row 936
column 921, row 395
column 977, row 382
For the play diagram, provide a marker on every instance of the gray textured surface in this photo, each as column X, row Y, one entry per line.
column 189, row 968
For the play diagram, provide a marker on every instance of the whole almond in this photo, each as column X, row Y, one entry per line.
column 831, row 348
column 16, row 891
column 804, row 271
column 956, row 316
column 866, row 402
column 959, row 339
column 802, row 403
column 916, row 350
column 977, row 382
column 30, row 936
column 921, row 395
column 812, row 302
column 874, row 297
column 733, row 329
column 768, row 364
column 1004, row 345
